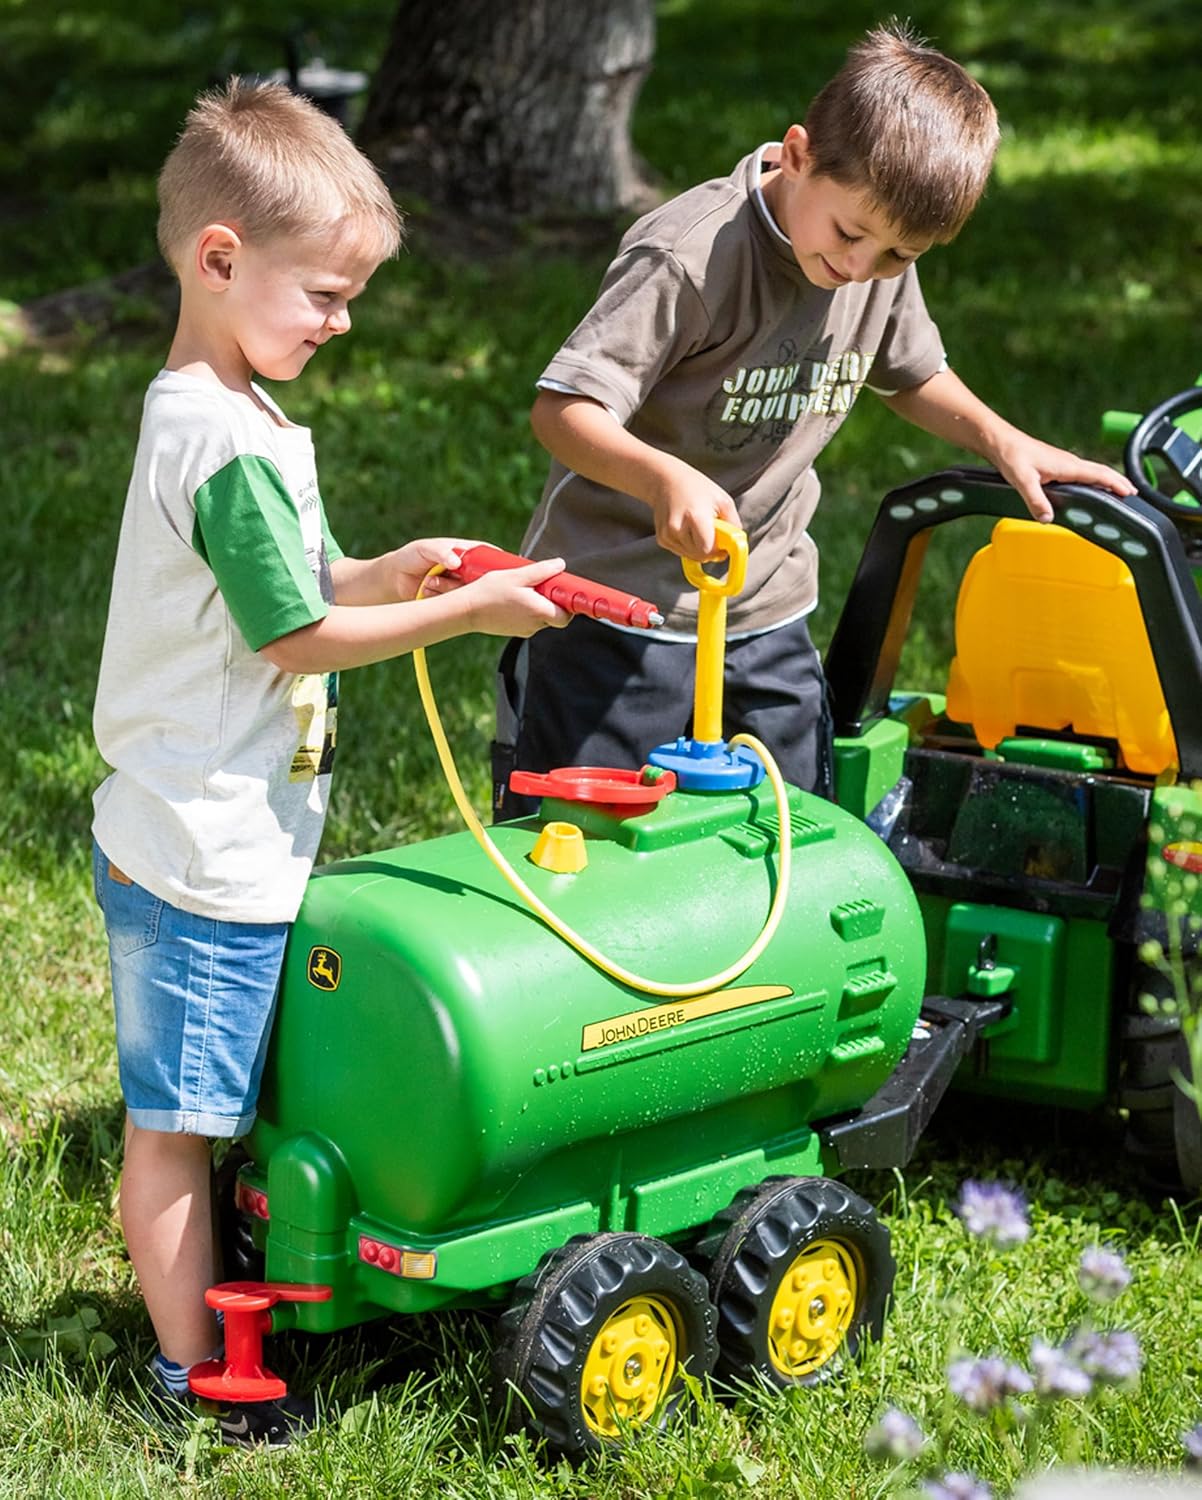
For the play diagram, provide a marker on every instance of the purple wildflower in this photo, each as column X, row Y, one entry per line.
column 1110, row 1358
column 1191, row 1441
column 957, row 1486
column 994, row 1212
column 985, row 1383
column 895, row 1436
column 1102, row 1274
column 1057, row 1373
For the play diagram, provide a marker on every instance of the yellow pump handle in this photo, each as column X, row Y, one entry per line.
column 730, row 542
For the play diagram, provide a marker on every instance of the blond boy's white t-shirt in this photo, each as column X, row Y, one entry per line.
column 221, row 762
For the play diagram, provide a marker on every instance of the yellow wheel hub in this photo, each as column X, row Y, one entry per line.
column 813, row 1308
column 630, row 1366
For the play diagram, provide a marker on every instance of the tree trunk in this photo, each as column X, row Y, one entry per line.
column 519, row 108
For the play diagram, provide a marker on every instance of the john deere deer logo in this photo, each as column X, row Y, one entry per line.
column 325, row 968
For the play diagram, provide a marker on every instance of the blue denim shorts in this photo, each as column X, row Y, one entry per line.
column 194, row 999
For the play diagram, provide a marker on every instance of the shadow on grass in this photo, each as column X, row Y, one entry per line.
column 1065, row 1161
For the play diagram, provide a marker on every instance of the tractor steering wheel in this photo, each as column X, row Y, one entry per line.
column 1158, row 436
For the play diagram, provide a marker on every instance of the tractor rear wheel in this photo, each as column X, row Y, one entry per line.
column 1164, row 1133
column 241, row 1259
column 801, row 1271
column 597, row 1339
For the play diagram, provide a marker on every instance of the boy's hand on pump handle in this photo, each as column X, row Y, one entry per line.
column 685, row 510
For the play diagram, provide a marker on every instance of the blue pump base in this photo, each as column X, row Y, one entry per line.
column 709, row 765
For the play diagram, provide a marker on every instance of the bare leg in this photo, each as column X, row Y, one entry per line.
column 167, row 1216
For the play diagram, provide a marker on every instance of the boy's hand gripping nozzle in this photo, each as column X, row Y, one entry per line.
column 579, row 596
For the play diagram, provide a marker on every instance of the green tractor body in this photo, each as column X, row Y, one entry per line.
column 1045, row 865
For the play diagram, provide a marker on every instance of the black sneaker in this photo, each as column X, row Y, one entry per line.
column 166, row 1409
column 266, row 1424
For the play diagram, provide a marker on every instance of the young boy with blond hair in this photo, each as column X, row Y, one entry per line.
column 232, row 612
column 730, row 337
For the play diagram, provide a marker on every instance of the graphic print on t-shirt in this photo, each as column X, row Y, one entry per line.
column 315, row 704
column 315, row 697
column 763, row 402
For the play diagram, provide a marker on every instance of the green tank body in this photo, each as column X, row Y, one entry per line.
column 452, row 1090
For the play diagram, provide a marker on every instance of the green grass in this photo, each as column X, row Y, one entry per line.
column 1074, row 288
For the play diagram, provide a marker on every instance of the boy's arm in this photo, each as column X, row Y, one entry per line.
column 368, row 629
column 586, row 438
column 945, row 407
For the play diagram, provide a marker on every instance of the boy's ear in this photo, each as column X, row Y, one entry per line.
column 217, row 247
column 795, row 152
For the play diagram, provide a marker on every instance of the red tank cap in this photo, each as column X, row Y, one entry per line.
column 627, row 792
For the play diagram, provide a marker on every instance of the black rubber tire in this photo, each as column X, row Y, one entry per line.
column 241, row 1259
column 1187, row 1129
column 557, row 1313
column 1163, row 1138
column 751, row 1246
column 1149, row 1044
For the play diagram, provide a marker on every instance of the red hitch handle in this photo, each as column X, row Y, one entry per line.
column 242, row 1375
column 579, row 596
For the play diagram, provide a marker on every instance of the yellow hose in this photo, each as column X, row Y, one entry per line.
column 582, row 945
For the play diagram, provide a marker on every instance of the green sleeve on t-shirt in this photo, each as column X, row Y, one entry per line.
column 248, row 531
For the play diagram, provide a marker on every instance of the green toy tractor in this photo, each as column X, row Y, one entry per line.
column 1047, row 805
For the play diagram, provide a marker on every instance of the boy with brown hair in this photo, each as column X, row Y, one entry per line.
column 730, row 337
column 232, row 612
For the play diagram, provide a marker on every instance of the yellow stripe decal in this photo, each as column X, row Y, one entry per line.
column 637, row 1023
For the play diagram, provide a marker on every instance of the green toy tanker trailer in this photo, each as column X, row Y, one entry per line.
column 461, row 1110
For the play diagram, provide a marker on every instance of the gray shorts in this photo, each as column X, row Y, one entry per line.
column 591, row 695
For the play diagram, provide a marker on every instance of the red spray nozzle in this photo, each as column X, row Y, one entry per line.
column 579, row 596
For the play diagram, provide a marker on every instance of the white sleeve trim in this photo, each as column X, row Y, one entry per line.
column 570, row 390
column 879, row 390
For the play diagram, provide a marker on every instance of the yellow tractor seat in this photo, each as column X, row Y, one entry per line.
column 1050, row 636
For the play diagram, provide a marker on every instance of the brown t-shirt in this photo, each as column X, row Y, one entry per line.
column 707, row 341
